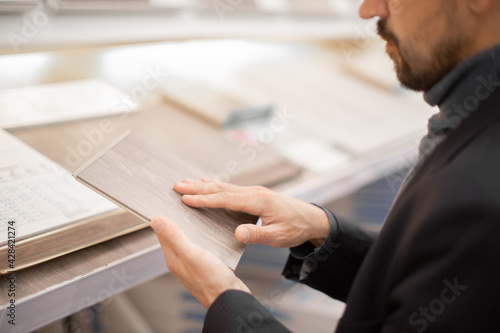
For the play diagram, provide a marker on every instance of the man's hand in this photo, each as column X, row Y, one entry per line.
column 203, row 274
column 286, row 221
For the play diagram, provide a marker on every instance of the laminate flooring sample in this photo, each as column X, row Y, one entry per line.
column 140, row 177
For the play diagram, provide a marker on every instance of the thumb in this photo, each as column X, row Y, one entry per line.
column 253, row 234
column 168, row 233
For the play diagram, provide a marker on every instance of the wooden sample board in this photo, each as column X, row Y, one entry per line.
column 140, row 177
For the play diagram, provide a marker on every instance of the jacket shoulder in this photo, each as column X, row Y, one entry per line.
column 471, row 176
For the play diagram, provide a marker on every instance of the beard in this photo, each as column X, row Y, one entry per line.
column 418, row 71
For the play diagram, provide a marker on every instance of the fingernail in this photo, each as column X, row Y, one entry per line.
column 188, row 180
column 245, row 234
column 157, row 225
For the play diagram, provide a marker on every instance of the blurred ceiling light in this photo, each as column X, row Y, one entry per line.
column 197, row 60
column 17, row 70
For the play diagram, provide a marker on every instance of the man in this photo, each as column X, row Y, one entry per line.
column 433, row 267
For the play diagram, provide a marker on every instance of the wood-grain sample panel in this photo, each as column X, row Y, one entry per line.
column 140, row 177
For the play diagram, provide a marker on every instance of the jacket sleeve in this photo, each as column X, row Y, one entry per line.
column 238, row 311
column 332, row 267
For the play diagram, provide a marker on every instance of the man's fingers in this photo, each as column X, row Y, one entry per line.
column 241, row 202
column 252, row 234
column 205, row 186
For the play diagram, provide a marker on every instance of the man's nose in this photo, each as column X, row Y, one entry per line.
column 375, row 8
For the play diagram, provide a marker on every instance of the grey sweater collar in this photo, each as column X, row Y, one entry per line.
column 460, row 92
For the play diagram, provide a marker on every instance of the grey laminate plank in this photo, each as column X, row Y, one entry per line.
column 140, row 177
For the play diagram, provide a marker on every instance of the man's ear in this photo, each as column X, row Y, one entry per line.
column 479, row 7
